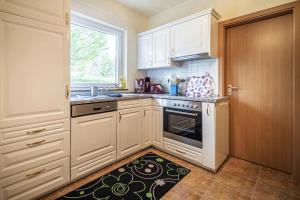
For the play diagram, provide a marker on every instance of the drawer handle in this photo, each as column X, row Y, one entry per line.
column 180, row 151
column 36, row 143
column 36, row 131
column 35, row 173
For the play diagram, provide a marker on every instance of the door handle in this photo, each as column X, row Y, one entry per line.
column 230, row 88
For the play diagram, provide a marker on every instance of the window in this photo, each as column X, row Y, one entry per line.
column 96, row 53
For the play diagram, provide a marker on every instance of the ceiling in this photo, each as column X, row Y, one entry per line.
column 150, row 7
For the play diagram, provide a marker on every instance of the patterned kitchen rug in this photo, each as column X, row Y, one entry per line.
column 148, row 177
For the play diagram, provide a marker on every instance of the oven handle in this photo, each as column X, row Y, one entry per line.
column 184, row 113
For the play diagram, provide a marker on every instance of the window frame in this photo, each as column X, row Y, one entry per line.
column 91, row 23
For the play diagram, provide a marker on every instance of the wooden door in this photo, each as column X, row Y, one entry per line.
column 34, row 75
column 260, row 64
column 50, row 11
column 161, row 48
column 145, row 51
column 157, row 126
column 93, row 136
column 129, row 134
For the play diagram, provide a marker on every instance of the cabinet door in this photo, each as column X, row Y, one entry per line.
column 209, row 135
column 190, row 37
column 147, row 126
column 145, row 51
column 157, row 125
column 161, row 48
column 50, row 11
column 34, row 75
column 129, row 137
column 93, row 136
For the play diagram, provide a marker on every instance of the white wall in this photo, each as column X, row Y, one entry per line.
column 111, row 12
column 226, row 8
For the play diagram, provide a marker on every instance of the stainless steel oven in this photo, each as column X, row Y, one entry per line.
column 183, row 121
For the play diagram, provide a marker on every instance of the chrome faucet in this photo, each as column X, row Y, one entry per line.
column 94, row 91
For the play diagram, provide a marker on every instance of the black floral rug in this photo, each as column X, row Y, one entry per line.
column 149, row 177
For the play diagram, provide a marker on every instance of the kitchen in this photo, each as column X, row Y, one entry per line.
column 134, row 99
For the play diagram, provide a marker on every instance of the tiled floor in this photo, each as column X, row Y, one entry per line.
column 236, row 180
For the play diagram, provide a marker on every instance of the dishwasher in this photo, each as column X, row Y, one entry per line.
column 93, row 137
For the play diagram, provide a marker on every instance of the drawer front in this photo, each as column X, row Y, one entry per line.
column 147, row 102
column 157, row 102
column 25, row 155
column 21, row 133
column 129, row 104
column 35, row 182
column 92, row 165
column 183, row 152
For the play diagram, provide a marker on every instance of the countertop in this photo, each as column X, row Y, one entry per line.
column 87, row 99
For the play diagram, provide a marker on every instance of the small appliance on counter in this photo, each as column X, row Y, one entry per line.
column 200, row 86
column 145, row 86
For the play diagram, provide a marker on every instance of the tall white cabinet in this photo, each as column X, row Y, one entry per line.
column 34, row 97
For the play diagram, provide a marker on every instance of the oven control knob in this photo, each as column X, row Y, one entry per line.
column 191, row 106
column 195, row 106
column 182, row 105
column 175, row 104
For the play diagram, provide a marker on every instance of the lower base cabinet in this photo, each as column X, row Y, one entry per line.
column 93, row 142
column 129, row 132
column 157, row 126
column 35, row 182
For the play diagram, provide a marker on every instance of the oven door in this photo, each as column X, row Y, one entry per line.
column 183, row 126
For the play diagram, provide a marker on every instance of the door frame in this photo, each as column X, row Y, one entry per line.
column 290, row 8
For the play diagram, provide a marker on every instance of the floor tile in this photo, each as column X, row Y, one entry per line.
column 219, row 191
column 242, row 168
column 264, row 191
column 236, row 181
column 280, row 181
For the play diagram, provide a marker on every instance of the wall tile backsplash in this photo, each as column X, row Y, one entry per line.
column 188, row 69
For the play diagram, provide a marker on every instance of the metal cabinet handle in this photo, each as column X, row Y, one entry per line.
column 35, row 173
column 183, row 113
column 144, row 113
column 35, row 131
column 120, row 117
column 207, row 110
column 180, row 151
column 67, row 92
column 36, row 143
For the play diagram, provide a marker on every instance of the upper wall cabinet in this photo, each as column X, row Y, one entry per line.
column 192, row 37
column 161, row 48
column 34, row 75
column 53, row 12
column 145, row 51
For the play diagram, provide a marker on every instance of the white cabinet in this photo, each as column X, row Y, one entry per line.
column 93, row 136
column 34, row 75
column 215, row 134
column 161, row 48
column 190, row 37
column 35, row 182
column 129, row 132
column 145, row 48
column 34, row 97
column 50, row 11
column 147, row 126
column 157, row 126
column 21, row 156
